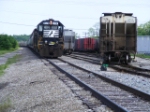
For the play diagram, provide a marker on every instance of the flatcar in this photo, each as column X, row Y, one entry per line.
column 69, row 41
column 118, row 36
column 47, row 39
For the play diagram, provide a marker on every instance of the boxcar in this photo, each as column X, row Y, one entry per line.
column 87, row 44
column 47, row 39
column 69, row 41
column 118, row 36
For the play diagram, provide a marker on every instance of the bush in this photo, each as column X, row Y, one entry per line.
column 7, row 42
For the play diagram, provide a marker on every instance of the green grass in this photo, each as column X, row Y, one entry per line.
column 7, row 51
column 9, row 61
column 143, row 56
column 5, row 105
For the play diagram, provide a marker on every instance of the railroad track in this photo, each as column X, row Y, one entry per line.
column 119, row 97
column 87, row 54
column 126, row 68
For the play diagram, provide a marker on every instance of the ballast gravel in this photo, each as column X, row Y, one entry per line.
column 141, row 63
column 30, row 86
column 135, row 81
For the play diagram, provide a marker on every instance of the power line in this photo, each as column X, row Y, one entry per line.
column 85, row 3
column 33, row 25
column 48, row 15
column 16, row 24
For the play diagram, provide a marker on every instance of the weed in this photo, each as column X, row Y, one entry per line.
column 5, row 105
column 9, row 61
column 143, row 56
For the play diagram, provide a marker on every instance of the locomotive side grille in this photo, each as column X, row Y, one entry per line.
column 51, row 33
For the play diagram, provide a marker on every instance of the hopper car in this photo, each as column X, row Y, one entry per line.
column 118, row 37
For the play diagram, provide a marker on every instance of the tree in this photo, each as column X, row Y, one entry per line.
column 7, row 42
column 21, row 37
column 97, row 27
column 93, row 32
column 77, row 36
column 144, row 29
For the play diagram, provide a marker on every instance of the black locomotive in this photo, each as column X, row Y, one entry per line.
column 47, row 39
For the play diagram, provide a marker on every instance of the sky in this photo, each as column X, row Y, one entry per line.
column 22, row 16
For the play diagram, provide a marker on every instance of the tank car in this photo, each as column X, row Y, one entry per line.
column 69, row 41
column 47, row 39
column 118, row 36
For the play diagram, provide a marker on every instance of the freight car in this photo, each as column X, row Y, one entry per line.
column 69, row 41
column 87, row 44
column 47, row 39
column 118, row 36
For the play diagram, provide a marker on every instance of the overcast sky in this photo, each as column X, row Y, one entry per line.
column 22, row 16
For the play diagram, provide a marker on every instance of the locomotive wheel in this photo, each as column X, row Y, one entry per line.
column 127, row 59
column 109, row 58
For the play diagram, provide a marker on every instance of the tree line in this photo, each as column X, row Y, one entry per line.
column 144, row 29
column 7, row 42
column 21, row 37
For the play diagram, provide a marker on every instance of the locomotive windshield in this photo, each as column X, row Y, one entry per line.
column 54, row 27
column 50, row 27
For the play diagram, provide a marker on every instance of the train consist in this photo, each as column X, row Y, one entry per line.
column 69, row 41
column 87, row 45
column 47, row 39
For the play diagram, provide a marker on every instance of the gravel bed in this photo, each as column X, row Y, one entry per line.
column 31, row 86
column 135, row 81
column 121, row 97
column 142, row 63
column 84, row 95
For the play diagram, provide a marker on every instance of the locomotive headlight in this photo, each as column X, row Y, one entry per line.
column 45, row 41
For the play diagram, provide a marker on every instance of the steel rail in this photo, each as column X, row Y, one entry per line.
column 117, row 67
column 98, row 95
column 118, row 84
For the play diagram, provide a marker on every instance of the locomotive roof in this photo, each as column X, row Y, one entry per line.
column 109, row 14
column 52, row 20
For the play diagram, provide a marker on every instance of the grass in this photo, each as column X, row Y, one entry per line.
column 5, row 105
column 9, row 61
column 143, row 56
column 7, row 51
